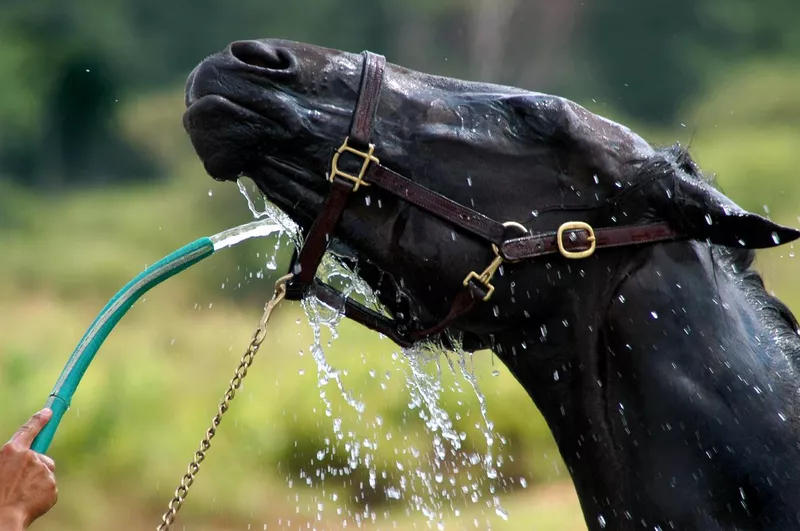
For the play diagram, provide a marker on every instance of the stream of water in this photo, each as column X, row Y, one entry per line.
column 449, row 474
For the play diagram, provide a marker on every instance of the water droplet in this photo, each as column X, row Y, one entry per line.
column 502, row 513
column 555, row 376
column 469, row 181
column 708, row 219
column 495, row 373
column 621, row 298
column 210, row 193
column 654, row 315
column 776, row 238
column 602, row 521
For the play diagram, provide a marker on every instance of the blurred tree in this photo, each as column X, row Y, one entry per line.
column 81, row 139
column 639, row 55
column 540, row 41
column 21, row 87
column 69, row 63
column 68, row 137
column 644, row 58
column 490, row 23
column 649, row 58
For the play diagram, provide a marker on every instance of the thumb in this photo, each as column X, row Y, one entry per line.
column 28, row 431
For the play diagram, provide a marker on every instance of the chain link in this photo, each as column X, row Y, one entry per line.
column 241, row 371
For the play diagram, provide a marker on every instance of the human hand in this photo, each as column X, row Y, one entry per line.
column 27, row 478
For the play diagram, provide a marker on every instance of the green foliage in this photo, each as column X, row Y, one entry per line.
column 753, row 95
column 650, row 58
column 21, row 91
column 68, row 65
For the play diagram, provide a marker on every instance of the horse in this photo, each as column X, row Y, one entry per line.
column 610, row 276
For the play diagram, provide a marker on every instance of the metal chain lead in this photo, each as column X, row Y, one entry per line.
column 241, row 371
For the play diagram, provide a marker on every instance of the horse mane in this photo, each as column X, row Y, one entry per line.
column 771, row 311
column 736, row 263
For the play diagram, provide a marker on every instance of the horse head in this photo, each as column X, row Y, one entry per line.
column 465, row 175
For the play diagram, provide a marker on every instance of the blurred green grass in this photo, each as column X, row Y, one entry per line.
column 146, row 401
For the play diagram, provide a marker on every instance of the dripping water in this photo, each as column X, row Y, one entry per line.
column 429, row 481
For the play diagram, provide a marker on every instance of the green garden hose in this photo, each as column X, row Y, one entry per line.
column 180, row 260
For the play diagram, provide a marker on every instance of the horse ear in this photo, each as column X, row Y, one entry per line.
column 681, row 196
column 699, row 210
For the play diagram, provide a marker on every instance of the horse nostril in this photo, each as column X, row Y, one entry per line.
column 261, row 55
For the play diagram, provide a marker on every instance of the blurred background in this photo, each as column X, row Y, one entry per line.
column 97, row 179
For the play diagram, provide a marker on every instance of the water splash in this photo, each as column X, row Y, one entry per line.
column 272, row 213
column 256, row 229
column 432, row 482
column 276, row 217
column 426, row 390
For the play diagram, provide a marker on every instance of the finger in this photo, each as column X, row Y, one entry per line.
column 55, row 490
column 48, row 462
column 28, row 431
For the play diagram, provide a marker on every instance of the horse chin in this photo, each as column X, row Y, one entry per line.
column 392, row 295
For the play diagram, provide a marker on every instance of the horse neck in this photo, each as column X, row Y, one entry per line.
column 678, row 409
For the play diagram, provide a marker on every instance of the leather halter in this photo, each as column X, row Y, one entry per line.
column 572, row 240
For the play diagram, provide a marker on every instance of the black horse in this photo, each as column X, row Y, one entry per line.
column 665, row 371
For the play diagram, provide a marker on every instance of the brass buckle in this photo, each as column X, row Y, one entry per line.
column 576, row 225
column 357, row 179
column 486, row 277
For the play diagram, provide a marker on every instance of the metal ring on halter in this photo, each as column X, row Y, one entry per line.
column 486, row 277
column 515, row 225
